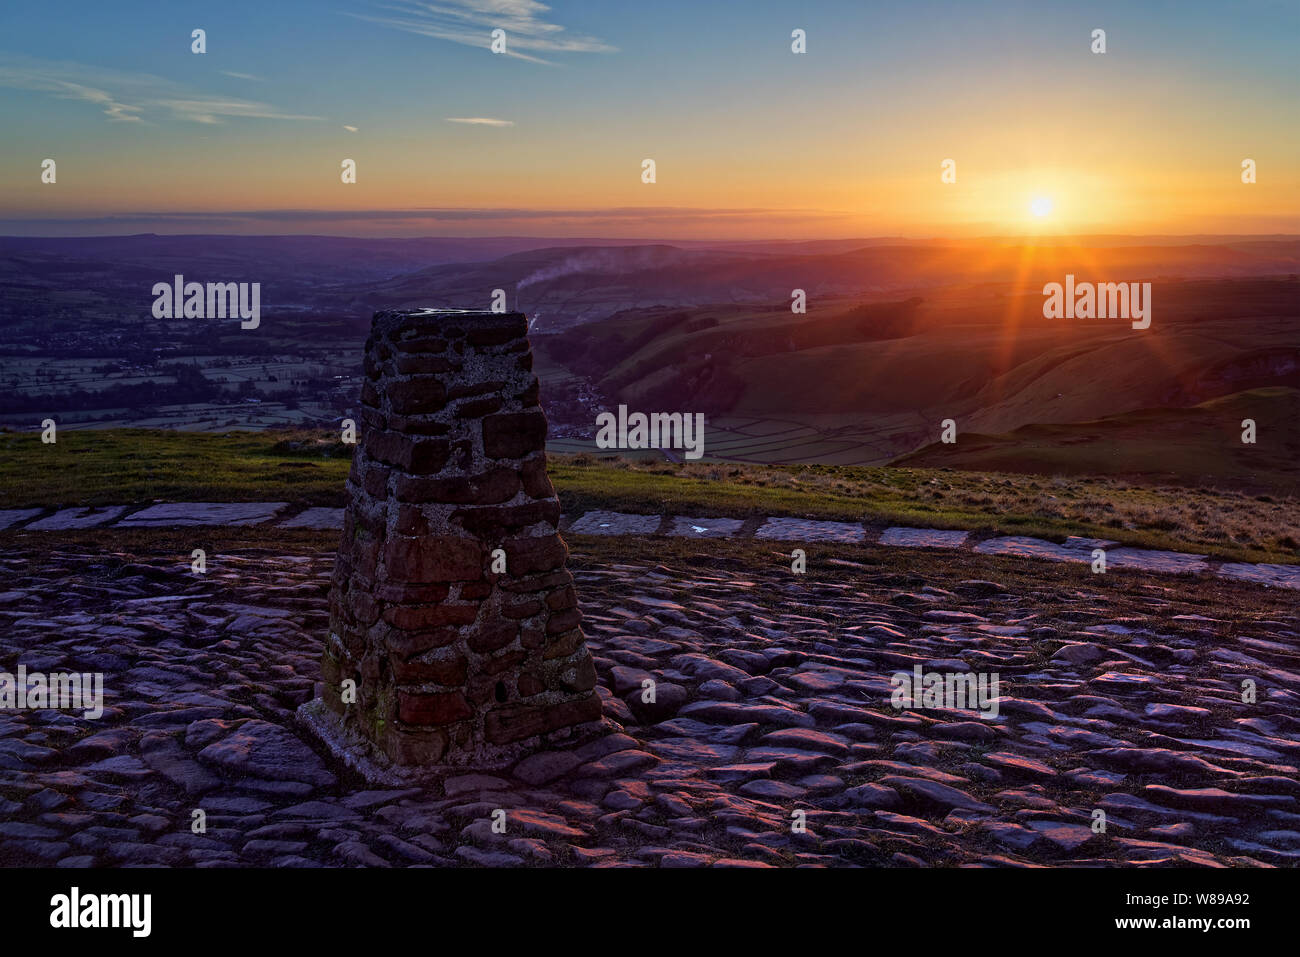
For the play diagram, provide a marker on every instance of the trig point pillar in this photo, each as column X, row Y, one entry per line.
column 451, row 608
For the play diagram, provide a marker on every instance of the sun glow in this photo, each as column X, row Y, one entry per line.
column 1041, row 206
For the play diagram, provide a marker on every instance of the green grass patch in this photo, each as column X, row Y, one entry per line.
column 135, row 466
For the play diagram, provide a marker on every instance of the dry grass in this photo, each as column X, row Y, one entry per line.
column 1214, row 520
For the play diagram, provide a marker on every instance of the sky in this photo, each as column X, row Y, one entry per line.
column 749, row 139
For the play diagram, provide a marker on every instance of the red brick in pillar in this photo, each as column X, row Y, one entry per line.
column 454, row 662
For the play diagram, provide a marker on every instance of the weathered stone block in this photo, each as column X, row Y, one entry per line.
column 535, row 480
column 564, row 621
column 525, row 609
column 477, row 408
column 441, row 558
column 450, row 671
column 417, row 455
column 410, row 746
column 491, row 637
column 419, row 617
column 530, row 685
column 581, row 677
column 437, row 708
column 529, row 720
column 492, row 523
column 541, row 553
column 417, row 395
column 490, row 488
column 513, row 435
column 405, row 644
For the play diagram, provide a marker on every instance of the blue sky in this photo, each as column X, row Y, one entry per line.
column 710, row 89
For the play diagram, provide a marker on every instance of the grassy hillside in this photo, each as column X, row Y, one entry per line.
column 140, row 466
column 1196, row 446
column 981, row 354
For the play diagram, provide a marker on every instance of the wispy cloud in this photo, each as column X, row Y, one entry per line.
column 241, row 76
column 471, row 22
column 350, row 129
column 131, row 97
column 480, row 121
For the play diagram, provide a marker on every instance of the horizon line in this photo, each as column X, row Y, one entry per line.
column 1018, row 238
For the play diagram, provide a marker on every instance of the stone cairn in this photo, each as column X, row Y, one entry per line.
column 456, row 661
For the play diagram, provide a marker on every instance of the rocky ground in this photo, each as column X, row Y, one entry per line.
column 1119, row 693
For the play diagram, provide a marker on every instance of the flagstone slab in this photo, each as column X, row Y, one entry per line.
column 1156, row 561
column 923, row 538
column 203, row 513
column 1088, row 544
column 67, row 518
column 802, row 529
column 1022, row 546
column 1279, row 576
column 705, row 527
column 327, row 518
column 600, row 522
column 12, row 516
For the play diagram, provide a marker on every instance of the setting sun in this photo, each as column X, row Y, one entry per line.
column 1041, row 206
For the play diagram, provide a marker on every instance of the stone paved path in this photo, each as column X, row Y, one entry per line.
column 598, row 522
column 772, row 705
